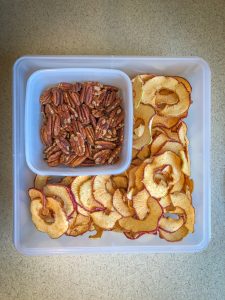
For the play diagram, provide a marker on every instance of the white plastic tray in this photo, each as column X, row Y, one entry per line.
column 29, row 241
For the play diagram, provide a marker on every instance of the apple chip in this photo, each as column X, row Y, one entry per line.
column 40, row 181
column 98, row 234
column 56, row 190
column 75, row 187
column 178, row 186
column 144, row 152
column 170, row 225
column 119, row 203
column 144, row 112
column 120, row 181
column 137, row 90
column 181, row 200
column 184, row 82
column 101, row 194
column 86, row 197
column 159, row 190
column 35, row 193
column 149, row 224
column 105, row 221
column 186, row 168
column 173, row 146
column 173, row 236
column 78, row 225
column 138, row 131
column 165, row 122
column 139, row 174
column 182, row 133
column 158, row 143
column 140, row 204
column 165, row 201
column 154, row 85
column 58, row 224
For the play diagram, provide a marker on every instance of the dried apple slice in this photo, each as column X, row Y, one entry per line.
column 120, row 181
column 170, row 225
column 119, row 203
column 78, row 225
column 64, row 194
column 189, row 183
column 59, row 225
column 154, row 85
column 149, row 224
column 169, row 99
column 35, row 193
column 101, row 194
column 173, row 146
column 86, row 197
column 173, row 236
column 181, row 200
column 137, row 83
column 139, row 173
column 186, row 167
column 139, row 131
column 158, row 143
column 75, row 187
column 165, row 159
column 131, row 180
column 134, row 153
column 178, row 186
column 165, row 201
column 98, row 234
column 40, row 181
column 140, row 204
column 182, row 133
column 67, row 180
column 165, row 122
column 144, row 112
column 82, row 211
column 184, row 82
column 144, row 152
column 105, row 221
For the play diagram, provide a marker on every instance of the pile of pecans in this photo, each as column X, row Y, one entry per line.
column 82, row 124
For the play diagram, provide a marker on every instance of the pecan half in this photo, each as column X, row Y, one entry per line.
column 114, row 155
column 105, row 144
column 78, row 144
column 63, row 144
column 102, row 127
column 102, row 156
column 90, row 134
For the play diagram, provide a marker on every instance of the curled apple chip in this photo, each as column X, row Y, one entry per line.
column 144, row 152
column 137, row 83
column 86, row 197
column 182, row 133
column 56, row 190
column 186, row 167
column 98, row 234
column 165, row 201
column 189, row 183
column 181, row 200
column 170, row 225
column 140, row 204
column 78, row 225
column 40, row 181
column 139, row 174
column 150, row 223
column 58, row 225
column 75, row 187
column 35, row 193
column 67, row 180
column 163, row 121
column 159, row 190
column 119, row 203
column 120, row 181
column 105, row 221
column 178, row 186
column 152, row 87
column 173, row 146
column 158, row 143
column 144, row 112
column 100, row 192
column 184, row 82
column 173, row 236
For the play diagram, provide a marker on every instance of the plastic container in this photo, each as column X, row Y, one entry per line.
column 43, row 79
column 29, row 241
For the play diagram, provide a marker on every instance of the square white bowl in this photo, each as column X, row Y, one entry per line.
column 43, row 79
column 29, row 241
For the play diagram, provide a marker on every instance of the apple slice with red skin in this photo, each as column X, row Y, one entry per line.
column 120, row 205
column 87, row 199
column 40, row 181
column 58, row 226
column 150, row 223
column 105, row 221
column 140, row 204
column 64, row 194
column 170, row 225
column 173, row 236
column 35, row 193
column 167, row 158
column 100, row 191
column 78, row 225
